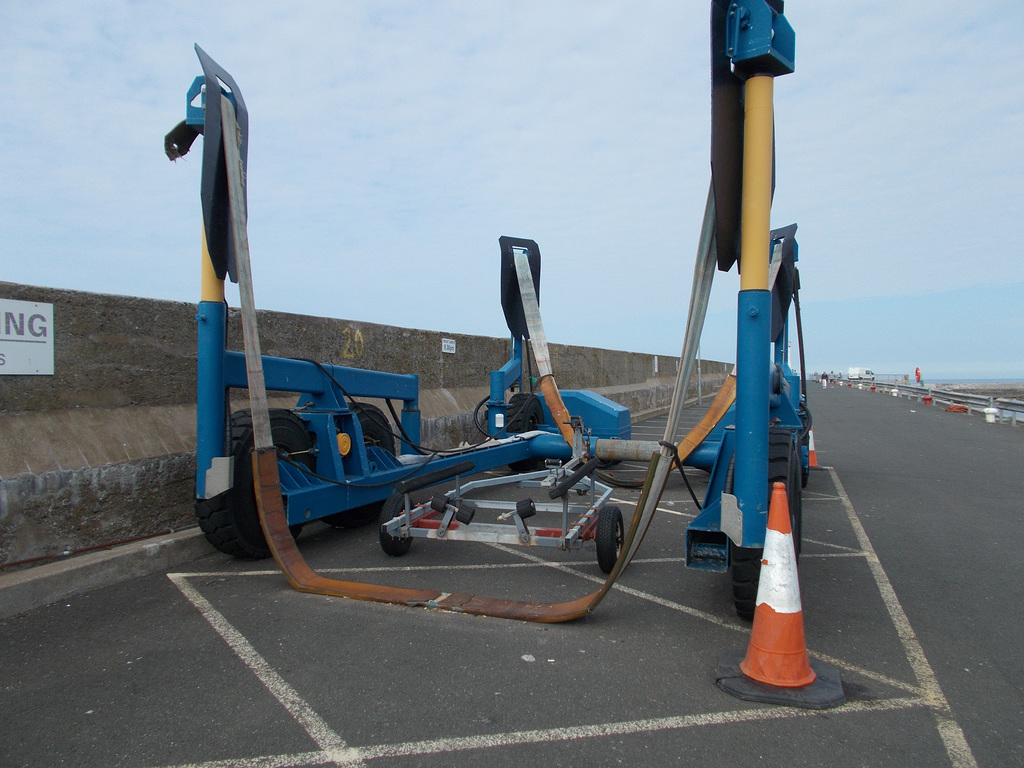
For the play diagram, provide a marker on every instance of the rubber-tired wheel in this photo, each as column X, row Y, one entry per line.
column 783, row 467
column 233, row 526
column 376, row 433
column 525, row 415
column 609, row 536
column 805, row 443
column 395, row 546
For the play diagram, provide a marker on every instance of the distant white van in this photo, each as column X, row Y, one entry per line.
column 861, row 374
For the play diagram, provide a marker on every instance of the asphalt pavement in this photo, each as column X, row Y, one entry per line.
column 909, row 578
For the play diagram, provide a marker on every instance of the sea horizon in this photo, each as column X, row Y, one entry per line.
column 952, row 380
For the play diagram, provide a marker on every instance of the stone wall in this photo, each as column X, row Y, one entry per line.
column 103, row 450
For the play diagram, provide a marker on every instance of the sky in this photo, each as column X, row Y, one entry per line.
column 392, row 143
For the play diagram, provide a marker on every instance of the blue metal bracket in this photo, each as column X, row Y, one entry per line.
column 195, row 114
column 759, row 39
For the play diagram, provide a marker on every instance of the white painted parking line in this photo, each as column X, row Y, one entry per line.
column 334, row 751
column 401, row 568
column 266, row 761
column 326, row 739
column 554, row 735
column 952, row 734
column 653, row 725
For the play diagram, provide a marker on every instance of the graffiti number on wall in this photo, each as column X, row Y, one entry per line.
column 352, row 343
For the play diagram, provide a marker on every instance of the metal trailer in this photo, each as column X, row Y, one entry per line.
column 452, row 516
column 337, row 457
column 334, row 460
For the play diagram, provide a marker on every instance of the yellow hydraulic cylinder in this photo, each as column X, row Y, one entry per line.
column 755, row 232
column 211, row 287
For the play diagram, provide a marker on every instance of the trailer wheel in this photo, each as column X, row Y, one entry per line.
column 794, row 495
column 609, row 537
column 783, row 467
column 805, row 442
column 527, row 415
column 233, row 524
column 746, row 575
column 376, row 433
column 395, row 546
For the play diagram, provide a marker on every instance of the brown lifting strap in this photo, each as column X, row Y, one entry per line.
column 305, row 579
column 267, row 484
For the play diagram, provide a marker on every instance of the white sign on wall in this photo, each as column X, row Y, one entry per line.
column 26, row 338
column 448, row 346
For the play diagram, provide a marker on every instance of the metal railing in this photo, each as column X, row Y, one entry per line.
column 1002, row 409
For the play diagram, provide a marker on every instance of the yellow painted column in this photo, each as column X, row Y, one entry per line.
column 758, row 137
column 211, row 287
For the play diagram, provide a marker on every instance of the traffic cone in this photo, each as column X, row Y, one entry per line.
column 812, row 459
column 777, row 654
column 776, row 667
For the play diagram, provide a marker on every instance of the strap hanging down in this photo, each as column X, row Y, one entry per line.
column 539, row 343
column 267, row 484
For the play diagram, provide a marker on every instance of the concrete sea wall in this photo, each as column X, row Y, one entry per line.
column 103, row 449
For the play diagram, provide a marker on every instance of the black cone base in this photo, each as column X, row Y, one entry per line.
column 825, row 692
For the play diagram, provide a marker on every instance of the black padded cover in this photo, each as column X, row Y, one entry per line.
column 214, row 187
column 511, row 301
column 727, row 141
column 786, row 283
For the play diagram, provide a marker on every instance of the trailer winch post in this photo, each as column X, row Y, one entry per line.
column 213, row 468
column 760, row 44
column 753, row 323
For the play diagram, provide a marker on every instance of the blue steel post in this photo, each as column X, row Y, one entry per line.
column 501, row 380
column 210, row 389
column 753, row 361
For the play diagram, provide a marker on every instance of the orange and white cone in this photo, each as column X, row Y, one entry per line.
column 776, row 667
column 777, row 653
column 812, row 459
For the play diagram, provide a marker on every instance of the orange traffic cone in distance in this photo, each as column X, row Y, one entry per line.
column 812, row 460
column 777, row 652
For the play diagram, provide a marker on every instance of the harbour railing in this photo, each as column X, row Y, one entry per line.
column 995, row 409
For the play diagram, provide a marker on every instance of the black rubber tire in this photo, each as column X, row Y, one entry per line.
column 392, row 545
column 805, row 472
column 525, row 415
column 376, row 428
column 805, row 442
column 609, row 537
column 377, row 432
column 784, row 467
column 794, row 495
column 746, row 576
column 233, row 527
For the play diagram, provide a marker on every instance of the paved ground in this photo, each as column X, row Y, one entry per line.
column 909, row 577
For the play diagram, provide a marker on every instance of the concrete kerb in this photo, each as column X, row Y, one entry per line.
column 41, row 585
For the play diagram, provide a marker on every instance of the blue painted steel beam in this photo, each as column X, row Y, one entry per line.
column 287, row 375
column 210, row 389
column 753, row 362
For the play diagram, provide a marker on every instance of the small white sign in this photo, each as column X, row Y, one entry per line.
column 26, row 338
column 448, row 346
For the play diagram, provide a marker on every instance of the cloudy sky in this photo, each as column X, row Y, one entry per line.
column 392, row 143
